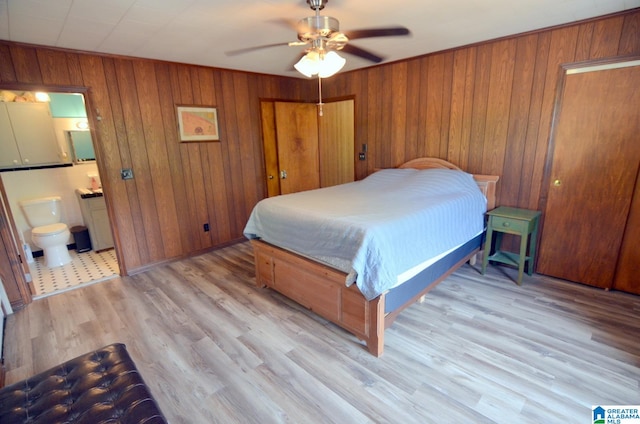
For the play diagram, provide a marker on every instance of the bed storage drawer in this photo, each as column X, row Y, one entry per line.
column 355, row 311
column 264, row 269
column 317, row 287
column 312, row 292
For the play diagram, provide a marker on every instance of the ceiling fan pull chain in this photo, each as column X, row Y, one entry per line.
column 320, row 96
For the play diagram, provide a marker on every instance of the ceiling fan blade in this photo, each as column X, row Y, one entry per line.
column 284, row 22
column 376, row 32
column 254, row 48
column 365, row 54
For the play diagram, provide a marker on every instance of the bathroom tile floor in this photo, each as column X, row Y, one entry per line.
column 85, row 268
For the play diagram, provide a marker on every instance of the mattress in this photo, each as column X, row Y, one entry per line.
column 377, row 229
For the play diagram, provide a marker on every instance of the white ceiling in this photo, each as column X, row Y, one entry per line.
column 201, row 31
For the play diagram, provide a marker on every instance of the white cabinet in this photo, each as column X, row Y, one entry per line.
column 94, row 214
column 27, row 135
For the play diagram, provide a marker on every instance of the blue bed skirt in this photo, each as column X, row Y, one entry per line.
column 400, row 295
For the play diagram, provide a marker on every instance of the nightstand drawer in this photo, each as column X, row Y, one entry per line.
column 509, row 224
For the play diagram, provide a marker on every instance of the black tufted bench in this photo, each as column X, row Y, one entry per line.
column 103, row 386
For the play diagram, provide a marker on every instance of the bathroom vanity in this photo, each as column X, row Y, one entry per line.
column 94, row 214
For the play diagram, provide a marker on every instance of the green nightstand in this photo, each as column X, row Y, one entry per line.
column 520, row 222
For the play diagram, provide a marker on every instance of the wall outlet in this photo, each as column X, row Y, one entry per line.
column 206, row 227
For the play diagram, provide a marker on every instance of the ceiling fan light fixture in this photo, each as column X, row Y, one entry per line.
column 331, row 64
column 313, row 64
column 309, row 64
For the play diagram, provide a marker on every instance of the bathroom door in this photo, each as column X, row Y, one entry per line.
column 13, row 270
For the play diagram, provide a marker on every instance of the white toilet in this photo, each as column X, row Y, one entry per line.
column 47, row 232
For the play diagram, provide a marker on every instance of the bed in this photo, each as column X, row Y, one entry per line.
column 357, row 254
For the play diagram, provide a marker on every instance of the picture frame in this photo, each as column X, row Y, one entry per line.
column 197, row 123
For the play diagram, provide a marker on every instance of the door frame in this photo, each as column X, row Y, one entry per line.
column 15, row 257
column 268, row 131
column 23, row 277
column 564, row 70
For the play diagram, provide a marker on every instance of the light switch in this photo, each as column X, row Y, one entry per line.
column 126, row 173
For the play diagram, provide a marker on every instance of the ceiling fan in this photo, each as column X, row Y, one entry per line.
column 322, row 36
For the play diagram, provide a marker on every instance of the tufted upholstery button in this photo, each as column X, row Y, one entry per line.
column 100, row 386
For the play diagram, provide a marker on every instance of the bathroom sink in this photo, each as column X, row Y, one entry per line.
column 88, row 193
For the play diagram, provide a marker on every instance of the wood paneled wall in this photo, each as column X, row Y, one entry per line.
column 177, row 187
column 487, row 108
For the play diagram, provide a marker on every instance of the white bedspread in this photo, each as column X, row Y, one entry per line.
column 378, row 227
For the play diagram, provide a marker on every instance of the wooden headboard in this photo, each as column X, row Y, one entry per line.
column 486, row 183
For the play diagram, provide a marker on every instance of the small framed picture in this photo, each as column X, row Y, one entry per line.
column 198, row 123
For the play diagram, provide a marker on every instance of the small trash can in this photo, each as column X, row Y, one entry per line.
column 81, row 236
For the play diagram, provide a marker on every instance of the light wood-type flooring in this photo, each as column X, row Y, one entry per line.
column 215, row 348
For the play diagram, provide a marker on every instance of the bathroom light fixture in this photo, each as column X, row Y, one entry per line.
column 321, row 63
column 42, row 97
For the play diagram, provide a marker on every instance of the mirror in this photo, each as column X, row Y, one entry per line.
column 68, row 111
column 81, row 146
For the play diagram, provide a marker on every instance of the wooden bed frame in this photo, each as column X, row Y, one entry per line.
column 324, row 290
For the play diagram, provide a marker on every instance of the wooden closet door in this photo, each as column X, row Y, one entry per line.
column 270, row 146
column 337, row 143
column 593, row 173
column 297, row 138
column 627, row 276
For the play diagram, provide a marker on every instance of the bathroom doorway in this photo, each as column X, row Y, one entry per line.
column 88, row 265
column 74, row 178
